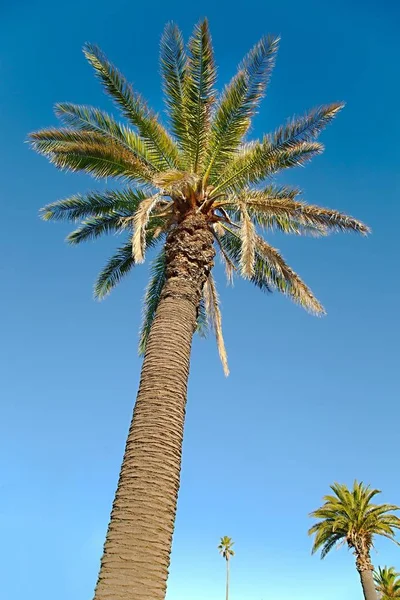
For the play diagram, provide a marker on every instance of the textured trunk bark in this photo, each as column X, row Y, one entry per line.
column 365, row 570
column 137, row 550
column 227, row 579
column 368, row 585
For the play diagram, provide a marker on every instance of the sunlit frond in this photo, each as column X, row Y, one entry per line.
column 213, row 311
column 87, row 118
column 238, row 104
column 93, row 227
column 349, row 515
column 277, row 207
column 200, row 77
column 248, row 239
column 140, row 221
column 173, row 67
column 260, row 160
column 159, row 144
column 93, row 204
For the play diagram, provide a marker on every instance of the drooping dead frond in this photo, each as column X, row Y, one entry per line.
column 248, row 237
column 140, row 221
column 211, row 300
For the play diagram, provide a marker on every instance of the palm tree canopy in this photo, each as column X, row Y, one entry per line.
column 387, row 582
column 349, row 516
column 225, row 547
column 203, row 163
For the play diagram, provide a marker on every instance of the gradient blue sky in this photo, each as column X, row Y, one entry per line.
column 309, row 401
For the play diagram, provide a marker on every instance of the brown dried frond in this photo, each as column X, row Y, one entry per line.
column 211, row 301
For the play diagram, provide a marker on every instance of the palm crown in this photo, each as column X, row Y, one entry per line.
column 205, row 164
column 225, row 547
column 387, row 582
column 349, row 516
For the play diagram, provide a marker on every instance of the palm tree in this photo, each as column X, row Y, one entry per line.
column 200, row 189
column 349, row 517
column 387, row 583
column 225, row 550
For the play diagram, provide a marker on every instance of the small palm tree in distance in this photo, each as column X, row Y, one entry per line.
column 225, row 550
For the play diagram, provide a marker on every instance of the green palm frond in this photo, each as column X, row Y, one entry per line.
column 47, row 141
column 87, row 118
column 306, row 128
column 277, row 207
column 260, row 160
column 160, row 145
column 198, row 95
column 93, row 227
column 88, row 151
column 152, row 298
column 202, row 319
column 118, row 266
column 173, row 67
column 271, row 271
column 93, row 204
column 238, row 104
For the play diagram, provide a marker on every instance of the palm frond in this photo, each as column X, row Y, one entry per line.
column 198, row 95
column 160, row 145
column 88, row 151
column 173, row 67
column 238, row 104
column 140, row 221
column 213, row 311
column 202, row 319
column 93, row 204
column 87, row 118
column 271, row 271
column 116, row 268
column 248, row 239
column 119, row 265
column 258, row 160
column 306, row 128
column 273, row 207
column 152, row 298
column 93, row 227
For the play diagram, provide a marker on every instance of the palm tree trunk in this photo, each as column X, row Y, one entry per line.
column 227, row 579
column 365, row 570
column 137, row 550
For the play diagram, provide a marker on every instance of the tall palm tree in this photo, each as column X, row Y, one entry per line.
column 200, row 189
column 225, row 550
column 349, row 517
column 387, row 583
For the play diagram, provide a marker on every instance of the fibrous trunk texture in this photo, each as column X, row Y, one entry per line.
column 137, row 550
column 365, row 570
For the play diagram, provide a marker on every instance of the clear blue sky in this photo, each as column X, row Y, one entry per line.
column 309, row 401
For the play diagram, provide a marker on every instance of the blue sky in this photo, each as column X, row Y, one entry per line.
column 309, row 401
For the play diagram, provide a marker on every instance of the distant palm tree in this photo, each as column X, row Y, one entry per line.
column 387, row 583
column 202, row 187
column 225, row 549
column 349, row 517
